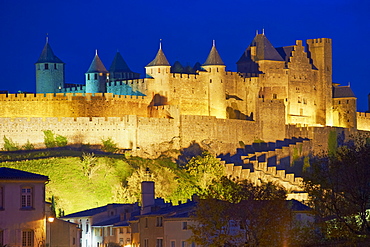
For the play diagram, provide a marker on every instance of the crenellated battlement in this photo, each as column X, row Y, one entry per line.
column 319, row 40
column 125, row 82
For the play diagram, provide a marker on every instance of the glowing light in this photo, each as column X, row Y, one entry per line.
column 51, row 219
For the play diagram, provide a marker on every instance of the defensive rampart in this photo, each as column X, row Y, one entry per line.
column 363, row 121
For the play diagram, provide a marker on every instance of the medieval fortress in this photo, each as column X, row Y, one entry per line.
column 283, row 94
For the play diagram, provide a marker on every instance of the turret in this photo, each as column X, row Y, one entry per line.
column 119, row 70
column 159, row 70
column 96, row 77
column 49, row 71
column 215, row 68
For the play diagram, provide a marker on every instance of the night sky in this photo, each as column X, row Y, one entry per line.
column 134, row 27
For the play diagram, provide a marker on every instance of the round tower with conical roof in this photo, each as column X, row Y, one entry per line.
column 159, row 70
column 215, row 68
column 96, row 76
column 49, row 71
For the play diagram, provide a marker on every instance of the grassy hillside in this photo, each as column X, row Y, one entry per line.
column 79, row 183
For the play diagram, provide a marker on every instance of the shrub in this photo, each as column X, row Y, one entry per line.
column 52, row 141
column 28, row 146
column 9, row 145
column 109, row 145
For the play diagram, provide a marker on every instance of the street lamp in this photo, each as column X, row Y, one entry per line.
column 50, row 220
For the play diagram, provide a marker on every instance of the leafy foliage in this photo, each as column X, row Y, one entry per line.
column 9, row 145
column 52, row 141
column 109, row 145
column 28, row 146
column 243, row 214
column 339, row 185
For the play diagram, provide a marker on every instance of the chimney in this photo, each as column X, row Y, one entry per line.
column 147, row 196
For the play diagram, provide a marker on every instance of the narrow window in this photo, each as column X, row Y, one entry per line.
column 88, row 76
column 173, row 243
column 55, row 66
column 46, row 66
column 184, row 225
column 159, row 242
column 159, row 70
column 146, row 242
column 146, row 222
column 27, row 238
column 274, row 96
column 87, row 226
column 1, row 198
column 26, row 197
column 1, row 238
column 95, row 76
column 183, row 243
column 159, row 221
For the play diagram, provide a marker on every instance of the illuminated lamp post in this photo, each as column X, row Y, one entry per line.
column 50, row 220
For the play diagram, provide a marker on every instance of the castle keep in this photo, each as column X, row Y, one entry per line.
column 275, row 94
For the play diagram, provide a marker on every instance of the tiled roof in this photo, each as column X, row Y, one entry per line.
column 119, row 64
column 343, row 92
column 264, row 50
column 160, row 59
column 285, row 52
column 14, row 174
column 47, row 55
column 213, row 57
column 174, row 211
column 97, row 65
column 92, row 211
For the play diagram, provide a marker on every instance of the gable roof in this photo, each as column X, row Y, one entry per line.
column 160, row 59
column 14, row 174
column 48, row 56
column 93, row 211
column 213, row 57
column 97, row 65
column 119, row 64
column 343, row 92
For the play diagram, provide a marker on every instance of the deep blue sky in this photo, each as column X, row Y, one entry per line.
column 77, row 27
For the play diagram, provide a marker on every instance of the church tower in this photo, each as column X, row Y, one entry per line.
column 96, row 76
column 215, row 68
column 49, row 71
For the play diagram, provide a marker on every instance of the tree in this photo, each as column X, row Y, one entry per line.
column 9, row 145
column 242, row 214
column 205, row 168
column 109, row 145
column 51, row 140
column 339, row 184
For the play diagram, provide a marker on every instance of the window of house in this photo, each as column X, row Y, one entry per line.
column 146, row 242
column 87, row 226
column 1, row 238
column 146, row 222
column 26, row 197
column 27, row 238
column 1, row 198
column 274, row 96
column 159, row 242
column 120, row 230
column 159, row 221
column 46, row 66
column 183, row 243
column 173, row 243
column 55, row 66
column 184, row 225
column 88, row 76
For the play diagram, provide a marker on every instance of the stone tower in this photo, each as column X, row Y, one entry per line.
column 49, row 71
column 96, row 77
column 215, row 68
column 119, row 70
column 159, row 70
column 320, row 52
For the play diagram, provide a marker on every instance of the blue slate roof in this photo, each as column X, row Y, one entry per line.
column 14, row 174
column 48, row 56
column 182, row 210
column 213, row 57
column 93, row 211
column 343, row 92
column 97, row 65
column 160, row 59
column 119, row 64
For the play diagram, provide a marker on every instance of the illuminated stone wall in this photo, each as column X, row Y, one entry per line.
column 363, row 121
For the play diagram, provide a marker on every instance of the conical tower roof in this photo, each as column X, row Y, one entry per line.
column 97, row 65
column 160, row 59
column 48, row 56
column 119, row 64
column 264, row 49
column 213, row 57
